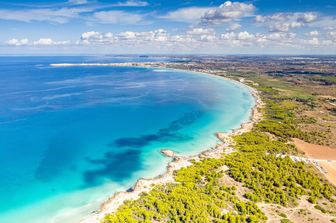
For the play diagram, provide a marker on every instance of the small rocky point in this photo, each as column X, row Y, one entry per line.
column 168, row 153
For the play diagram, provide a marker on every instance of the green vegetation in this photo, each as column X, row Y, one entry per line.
column 259, row 166
column 273, row 178
column 197, row 196
column 279, row 118
column 283, row 215
column 285, row 220
column 322, row 209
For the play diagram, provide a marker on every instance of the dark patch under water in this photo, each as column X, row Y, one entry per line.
column 115, row 167
column 120, row 166
column 165, row 134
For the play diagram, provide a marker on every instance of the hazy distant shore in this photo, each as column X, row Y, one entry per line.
column 178, row 162
column 100, row 64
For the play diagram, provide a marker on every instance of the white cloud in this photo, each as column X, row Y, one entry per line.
column 305, row 17
column 281, row 37
column 332, row 36
column 93, row 37
column 313, row 33
column 44, row 42
column 187, row 15
column 159, row 35
column 245, row 36
column 49, row 42
column 199, row 38
column 91, row 34
column 160, row 39
column 227, row 12
column 228, row 36
column 326, row 23
column 233, row 27
column 283, row 22
column 260, row 19
column 39, row 42
column 284, row 27
column 17, row 42
column 200, row 31
column 182, row 39
column 314, row 41
column 128, row 35
column 208, row 38
column 117, row 17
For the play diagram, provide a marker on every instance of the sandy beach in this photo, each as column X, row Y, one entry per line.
column 178, row 162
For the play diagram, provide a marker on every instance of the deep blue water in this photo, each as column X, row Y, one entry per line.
column 70, row 136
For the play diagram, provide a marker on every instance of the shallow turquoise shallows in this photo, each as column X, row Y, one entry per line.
column 72, row 136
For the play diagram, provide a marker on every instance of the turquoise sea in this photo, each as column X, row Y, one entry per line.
column 72, row 136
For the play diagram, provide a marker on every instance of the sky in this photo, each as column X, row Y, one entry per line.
column 80, row 27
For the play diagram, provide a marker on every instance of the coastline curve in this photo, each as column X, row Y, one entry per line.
column 144, row 185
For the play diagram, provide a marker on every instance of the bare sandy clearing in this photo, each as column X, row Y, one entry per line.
column 315, row 151
column 330, row 168
column 326, row 155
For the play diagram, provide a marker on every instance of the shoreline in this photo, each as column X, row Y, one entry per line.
column 144, row 185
